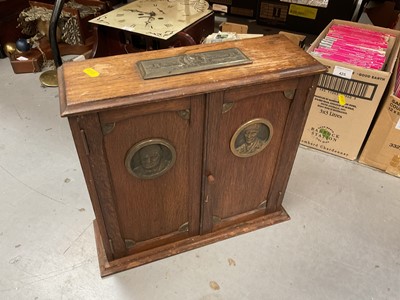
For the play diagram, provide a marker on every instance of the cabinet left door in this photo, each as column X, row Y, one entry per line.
column 152, row 156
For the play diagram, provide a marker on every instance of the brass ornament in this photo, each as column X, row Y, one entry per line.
column 9, row 49
column 289, row 94
column 49, row 78
column 150, row 158
column 263, row 204
column 216, row 219
column 184, row 227
column 184, row 114
column 34, row 20
column 251, row 137
column 129, row 243
column 107, row 128
column 42, row 27
column 227, row 107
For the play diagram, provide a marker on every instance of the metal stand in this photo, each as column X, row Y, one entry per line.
column 49, row 78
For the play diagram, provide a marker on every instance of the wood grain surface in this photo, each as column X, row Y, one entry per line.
column 119, row 82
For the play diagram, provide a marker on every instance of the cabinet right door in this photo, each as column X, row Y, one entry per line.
column 244, row 136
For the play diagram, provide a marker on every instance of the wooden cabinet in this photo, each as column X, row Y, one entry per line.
column 178, row 162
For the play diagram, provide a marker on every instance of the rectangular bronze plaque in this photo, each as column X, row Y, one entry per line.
column 191, row 62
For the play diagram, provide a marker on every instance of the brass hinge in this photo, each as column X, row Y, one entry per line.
column 310, row 90
column 280, row 196
column 111, row 245
column 84, row 141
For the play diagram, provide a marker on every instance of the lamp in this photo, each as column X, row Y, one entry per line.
column 49, row 78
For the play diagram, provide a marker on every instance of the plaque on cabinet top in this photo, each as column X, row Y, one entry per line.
column 191, row 62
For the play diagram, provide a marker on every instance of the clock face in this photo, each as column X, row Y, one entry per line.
column 156, row 18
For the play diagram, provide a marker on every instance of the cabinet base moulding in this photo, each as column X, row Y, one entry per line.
column 144, row 257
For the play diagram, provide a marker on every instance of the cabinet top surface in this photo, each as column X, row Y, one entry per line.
column 115, row 81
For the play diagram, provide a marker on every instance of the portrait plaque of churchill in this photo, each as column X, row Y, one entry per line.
column 150, row 158
column 251, row 137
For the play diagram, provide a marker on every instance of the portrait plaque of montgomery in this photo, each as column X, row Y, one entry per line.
column 150, row 158
column 251, row 137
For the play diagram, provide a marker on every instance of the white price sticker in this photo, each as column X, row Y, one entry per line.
column 343, row 72
column 398, row 124
column 22, row 58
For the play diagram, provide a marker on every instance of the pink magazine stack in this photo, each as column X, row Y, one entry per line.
column 357, row 46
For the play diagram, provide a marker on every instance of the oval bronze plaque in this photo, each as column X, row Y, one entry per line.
column 150, row 158
column 251, row 137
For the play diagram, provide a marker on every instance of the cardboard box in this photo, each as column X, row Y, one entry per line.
column 303, row 18
column 382, row 149
column 345, row 104
column 298, row 39
column 233, row 27
column 383, row 14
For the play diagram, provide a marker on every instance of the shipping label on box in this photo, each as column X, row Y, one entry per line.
column 346, row 100
column 233, row 27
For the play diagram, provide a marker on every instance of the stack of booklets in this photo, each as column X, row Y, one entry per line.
column 397, row 81
column 354, row 45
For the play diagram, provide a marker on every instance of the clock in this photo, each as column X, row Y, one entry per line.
column 155, row 18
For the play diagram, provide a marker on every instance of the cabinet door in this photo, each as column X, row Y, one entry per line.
column 245, row 129
column 153, row 155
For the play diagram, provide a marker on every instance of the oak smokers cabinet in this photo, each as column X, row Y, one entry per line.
column 178, row 162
